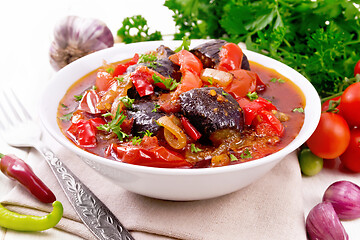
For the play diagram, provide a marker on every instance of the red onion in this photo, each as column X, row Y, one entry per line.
column 323, row 223
column 345, row 198
column 75, row 37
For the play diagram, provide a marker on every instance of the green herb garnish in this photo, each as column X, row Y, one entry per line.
column 64, row 106
column 66, row 117
column 110, row 70
column 78, row 97
column 194, row 149
column 252, row 96
column 156, row 107
column 128, row 102
column 120, row 79
column 274, row 80
column 146, row 133
column 233, row 158
column 299, row 109
column 169, row 83
column 184, row 45
column 224, row 93
column 114, row 125
column 146, row 58
column 246, row 154
column 136, row 140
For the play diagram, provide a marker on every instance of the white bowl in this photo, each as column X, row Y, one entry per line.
column 173, row 184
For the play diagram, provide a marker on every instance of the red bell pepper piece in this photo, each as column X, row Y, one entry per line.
column 83, row 132
column 231, row 57
column 253, row 108
column 190, row 129
column 187, row 62
column 121, row 68
column 155, row 157
column 273, row 126
column 17, row 169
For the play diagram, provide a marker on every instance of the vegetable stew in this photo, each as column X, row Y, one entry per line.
column 190, row 108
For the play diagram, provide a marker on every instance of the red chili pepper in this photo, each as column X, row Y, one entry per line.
column 17, row 169
column 190, row 129
column 122, row 67
column 142, row 80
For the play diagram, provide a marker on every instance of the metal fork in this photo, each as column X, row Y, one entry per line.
column 19, row 129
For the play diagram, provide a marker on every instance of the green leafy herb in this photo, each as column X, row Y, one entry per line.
column 274, row 80
column 184, row 45
column 108, row 114
column 299, row 109
column 78, row 97
column 210, row 80
column 194, row 149
column 156, row 107
column 233, row 158
column 146, row 133
column 94, row 87
column 246, row 154
column 252, row 96
column 66, row 117
column 169, row 83
column 224, row 93
column 120, row 79
column 64, row 106
column 110, row 70
column 128, row 102
column 136, row 140
column 320, row 39
column 138, row 25
column 146, row 58
column 114, row 125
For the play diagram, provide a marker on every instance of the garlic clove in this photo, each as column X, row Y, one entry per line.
column 75, row 37
column 322, row 223
column 345, row 198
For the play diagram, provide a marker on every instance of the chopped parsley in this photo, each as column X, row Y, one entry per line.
column 120, row 79
column 233, row 158
column 64, row 106
column 274, row 80
column 184, row 45
column 146, row 133
column 299, row 109
column 66, row 117
column 252, row 96
column 136, row 140
column 194, row 149
column 146, row 58
column 114, row 125
column 128, row 102
column 156, row 107
column 78, row 97
column 169, row 83
column 246, row 154
column 224, row 93
column 110, row 70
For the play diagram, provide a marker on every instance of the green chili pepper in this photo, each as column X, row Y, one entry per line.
column 30, row 223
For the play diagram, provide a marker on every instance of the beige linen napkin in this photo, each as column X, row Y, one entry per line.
column 271, row 208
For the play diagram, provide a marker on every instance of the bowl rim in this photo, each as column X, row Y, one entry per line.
column 312, row 107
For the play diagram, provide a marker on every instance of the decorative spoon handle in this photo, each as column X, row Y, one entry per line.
column 94, row 214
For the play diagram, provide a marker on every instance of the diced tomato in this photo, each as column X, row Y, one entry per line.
column 155, row 157
column 189, row 81
column 187, row 62
column 268, row 124
column 83, row 132
column 142, row 80
column 121, row 68
column 167, row 105
column 190, row 129
column 104, row 80
column 253, row 108
column 231, row 57
column 244, row 81
column 89, row 101
column 149, row 142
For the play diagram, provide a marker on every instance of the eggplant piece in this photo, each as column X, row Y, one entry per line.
column 163, row 66
column 208, row 54
column 144, row 117
column 164, row 52
column 210, row 109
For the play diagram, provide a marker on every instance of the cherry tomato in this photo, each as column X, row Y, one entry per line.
column 351, row 157
column 357, row 68
column 310, row 164
column 331, row 137
column 336, row 100
column 350, row 104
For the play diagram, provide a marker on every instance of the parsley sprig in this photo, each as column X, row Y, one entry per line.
column 114, row 125
column 169, row 83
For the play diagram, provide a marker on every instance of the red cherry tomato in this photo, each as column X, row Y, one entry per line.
column 350, row 104
column 351, row 157
column 331, row 136
column 357, row 68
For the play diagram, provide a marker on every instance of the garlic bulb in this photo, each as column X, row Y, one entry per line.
column 322, row 223
column 75, row 37
column 345, row 198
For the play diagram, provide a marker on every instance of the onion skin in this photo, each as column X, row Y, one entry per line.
column 75, row 37
column 322, row 223
column 345, row 198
